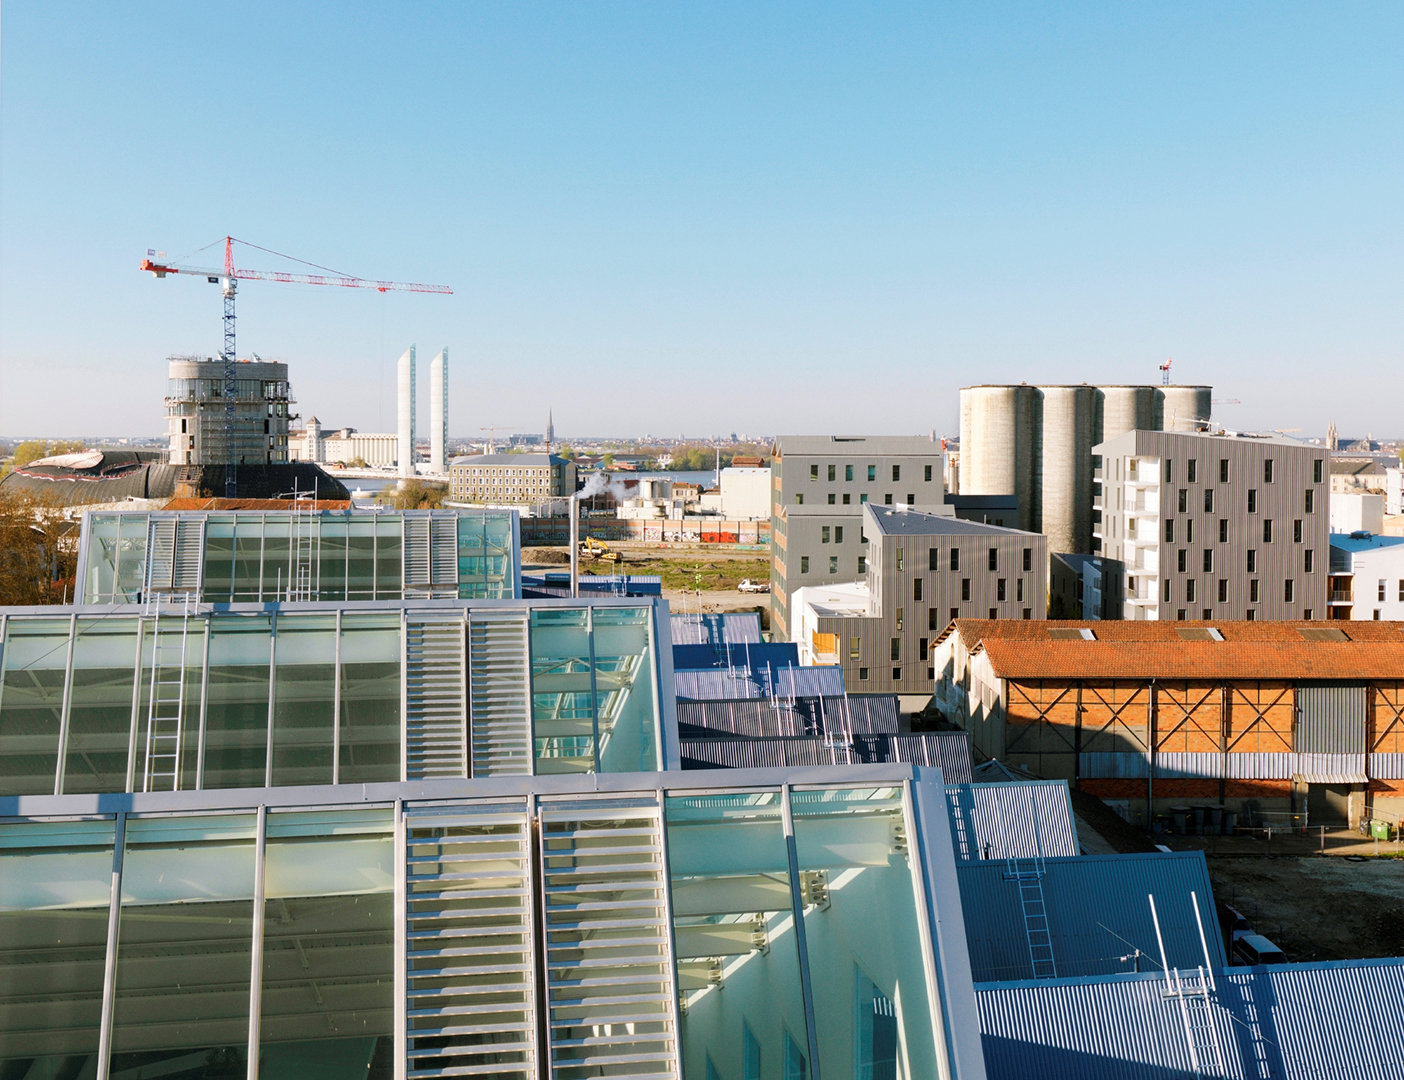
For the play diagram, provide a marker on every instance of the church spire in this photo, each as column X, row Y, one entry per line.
column 550, row 430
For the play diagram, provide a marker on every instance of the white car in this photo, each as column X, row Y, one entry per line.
column 748, row 585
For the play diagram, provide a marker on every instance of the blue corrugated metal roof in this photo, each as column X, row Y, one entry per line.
column 865, row 714
column 950, row 751
column 719, row 684
column 1097, row 913
column 1287, row 1021
column 731, row 627
column 993, row 821
column 751, row 654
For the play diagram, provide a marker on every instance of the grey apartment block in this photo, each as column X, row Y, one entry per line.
column 1035, row 443
column 924, row 570
column 819, row 484
column 1203, row 526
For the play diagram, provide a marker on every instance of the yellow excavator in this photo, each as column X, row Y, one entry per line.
column 590, row 548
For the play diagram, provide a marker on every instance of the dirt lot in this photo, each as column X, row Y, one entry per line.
column 1318, row 907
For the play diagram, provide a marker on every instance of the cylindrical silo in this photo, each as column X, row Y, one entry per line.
column 1125, row 408
column 405, row 450
column 1187, row 408
column 1065, row 467
column 997, row 437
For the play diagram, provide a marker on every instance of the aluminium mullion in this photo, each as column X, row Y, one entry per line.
column 136, row 705
column 256, row 956
column 204, row 705
column 64, row 707
column 404, row 693
column 401, row 973
column 797, row 912
column 272, row 697
column 109, row 967
column 336, row 693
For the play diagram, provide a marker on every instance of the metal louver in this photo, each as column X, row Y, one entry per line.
column 611, row 997
column 470, row 947
column 188, row 564
column 436, row 717
column 500, row 692
column 160, row 553
column 416, row 552
column 444, row 554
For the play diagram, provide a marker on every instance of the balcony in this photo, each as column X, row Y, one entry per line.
column 1340, row 596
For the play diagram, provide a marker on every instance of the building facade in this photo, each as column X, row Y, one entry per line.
column 504, row 479
column 196, row 416
column 819, row 485
column 1367, row 577
column 342, row 446
column 1202, row 526
column 923, row 571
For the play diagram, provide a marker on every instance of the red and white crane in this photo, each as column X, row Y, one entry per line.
column 228, row 279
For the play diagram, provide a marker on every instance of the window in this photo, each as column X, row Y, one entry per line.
column 899, row 618
column 1180, row 560
column 1000, row 590
column 1169, row 470
column 1287, row 590
column 927, row 475
column 832, row 469
column 1223, row 530
column 1223, row 590
column 847, row 498
column 1028, row 613
column 1253, row 590
column 1132, row 590
column 1308, row 558
column 965, row 588
column 862, row 564
column 1189, row 531
column 1267, row 530
column 1019, row 590
column 887, row 499
column 1250, row 615
column 1180, row 615
column 1184, row 500
column 1377, row 615
column 1028, row 560
column 900, row 554
column 1306, row 613
column 838, row 534
column 1189, row 590
column 863, row 497
column 955, row 558
column 823, row 534
column 1252, row 500
column 1297, row 531
column 1208, row 500
column 862, row 674
column 1190, row 469
column 1381, row 594
column 916, row 589
column 804, row 564
column 1252, row 561
column 955, row 613
column 933, row 559
column 833, row 564
column 799, row 499
column 1309, row 502
column 1401, row 589
column 1267, row 470
column 931, row 620
column 848, row 472
column 896, row 472
column 994, row 558
column 911, row 499
column 1208, row 560
column 814, row 472
column 896, row 648
column 855, row 647
column 831, row 498
column 922, row 646
column 1223, row 471
column 1316, row 467
column 872, row 472
column 1169, row 530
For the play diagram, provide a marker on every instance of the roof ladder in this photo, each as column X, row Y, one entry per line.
column 1194, row 993
column 165, row 709
column 304, row 544
column 1027, row 875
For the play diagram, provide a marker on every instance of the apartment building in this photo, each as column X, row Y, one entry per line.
column 819, row 486
column 1207, row 526
column 505, row 479
column 923, row 571
column 1367, row 577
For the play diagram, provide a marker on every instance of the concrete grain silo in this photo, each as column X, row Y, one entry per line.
column 1126, row 408
column 1063, row 488
column 1187, row 408
column 998, row 437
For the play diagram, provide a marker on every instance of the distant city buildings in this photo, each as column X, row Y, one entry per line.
column 342, row 446
column 197, row 423
column 507, row 479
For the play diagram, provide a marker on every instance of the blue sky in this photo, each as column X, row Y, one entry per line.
column 688, row 219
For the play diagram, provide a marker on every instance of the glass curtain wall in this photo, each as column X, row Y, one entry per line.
column 184, row 948
column 327, row 1002
column 485, row 563
column 236, row 716
column 734, row 929
column 370, row 698
column 55, row 891
column 562, row 702
column 624, row 689
column 304, row 699
column 101, row 703
column 35, row 660
column 182, row 645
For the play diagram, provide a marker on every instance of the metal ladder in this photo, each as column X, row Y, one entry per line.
column 1027, row 875
column 303, row 542
column 1195, row 997
column 165, row 710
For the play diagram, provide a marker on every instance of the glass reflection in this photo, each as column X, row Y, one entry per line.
column 370, row 699
column 100, row 705
column 31, row 704
column 304, row 699
column 236, row 722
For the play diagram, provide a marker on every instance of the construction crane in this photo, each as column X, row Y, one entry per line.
column 492, row 430
column 228, row 279
column 1165, row 372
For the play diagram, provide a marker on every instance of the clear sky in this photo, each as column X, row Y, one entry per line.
column 704, row 218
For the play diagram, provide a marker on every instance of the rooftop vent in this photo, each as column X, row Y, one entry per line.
column 1322, row 633
column 1199, row 633
column 1362, row 534
column 1071, row 633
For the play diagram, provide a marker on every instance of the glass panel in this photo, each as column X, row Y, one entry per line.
column 248, row 554
column 171, row 630
column 563, row 717
column 219, row 559
column 184, row 949
column 624, row 687
column 738, row 964
column 329, row 945
column 277, row 557
column 236, row 721
column 484, row 556
column 31, row 702
column 55, row 889
column 100, row 574
column 304, row 695
column 871, row 1009
column 389, row 575
column 100, row 705
column 370, row 698
column 360, row 560
column 131, row 559
column 331, row 559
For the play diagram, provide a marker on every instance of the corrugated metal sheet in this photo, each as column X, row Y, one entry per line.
column 1288, row 1022
column 732, row 627
column 1387, row 766
column 747, row 654
column 719, row 684
column 1323, row 765
column 1261, row 766
column 1022, row 820
column 1252, row 766
column 1115, row 765
column 1189, row 766
column 949, row 751
column 1330, row 719
column 1097, row 912
column 866, row 714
